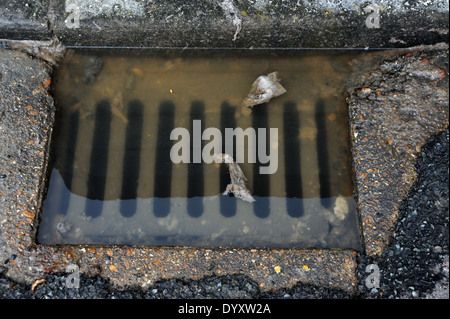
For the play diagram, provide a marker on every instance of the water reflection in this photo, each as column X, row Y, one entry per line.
column 318, row 227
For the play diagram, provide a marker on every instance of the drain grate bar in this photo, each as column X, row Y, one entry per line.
column 131, row 158
column 99, row 159
column 227, row 119
column 163, row 164
column 293, row 178
column 322, row 154
column 195, row 189
column 261, row 182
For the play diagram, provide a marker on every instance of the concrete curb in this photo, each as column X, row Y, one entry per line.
column 24, row 20
column 228, row 24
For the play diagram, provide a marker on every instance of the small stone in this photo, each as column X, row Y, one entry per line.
column 364, row 92
column 113, row 268
column 437, row 249
column 415, row 294
column 63, row 227
column 29, row 214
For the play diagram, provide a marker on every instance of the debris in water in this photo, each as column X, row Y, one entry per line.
column 63, row 227
column 238, row 179
column 341, row 207
column 117, row 107
column 91, row 69
column 263, row 90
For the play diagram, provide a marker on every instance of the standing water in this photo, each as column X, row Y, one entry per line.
column 119, row 174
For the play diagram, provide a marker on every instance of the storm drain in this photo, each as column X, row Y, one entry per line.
column 130, row 159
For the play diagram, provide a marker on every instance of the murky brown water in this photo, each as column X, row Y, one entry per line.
column 112, row 181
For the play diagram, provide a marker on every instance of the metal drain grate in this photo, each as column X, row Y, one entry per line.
column 100, row 155
column 113, row 180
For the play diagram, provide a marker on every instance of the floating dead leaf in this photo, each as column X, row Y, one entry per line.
column 238, row 179
column 263, row 90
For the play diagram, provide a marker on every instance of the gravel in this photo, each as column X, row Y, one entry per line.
column 414, row 265
column 415, row 260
